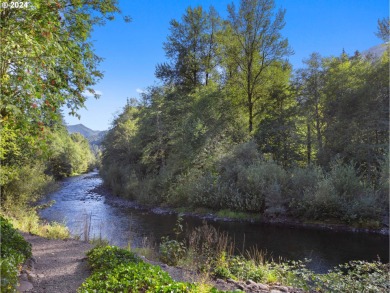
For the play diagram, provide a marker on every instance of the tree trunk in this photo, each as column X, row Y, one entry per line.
column 308, row 144
column 250, row 117
column 318, row 129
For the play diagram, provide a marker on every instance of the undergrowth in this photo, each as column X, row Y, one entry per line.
column 119, row 270
column 26, row 219
column 14, row 251
column 209, row 251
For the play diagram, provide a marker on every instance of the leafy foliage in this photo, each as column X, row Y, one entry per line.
column 355, row 276
column 118, row 270
column 14, row 251
column 108, row 257
column 317, row 140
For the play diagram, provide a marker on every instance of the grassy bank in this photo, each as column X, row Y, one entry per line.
column 120, row 270
column 209, row 253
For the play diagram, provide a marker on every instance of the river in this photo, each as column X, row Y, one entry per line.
column 78, row 201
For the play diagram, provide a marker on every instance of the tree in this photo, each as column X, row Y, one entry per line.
column 253, row 44
column 47, row 61
column 277, row 132
column 310, row 84
column 356, row 112
column 383, row 29
column 191, row 47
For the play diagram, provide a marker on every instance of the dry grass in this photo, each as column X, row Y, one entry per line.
column 27, row 220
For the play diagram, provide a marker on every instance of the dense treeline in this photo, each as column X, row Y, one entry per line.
column 47, row 63
column 233, row 126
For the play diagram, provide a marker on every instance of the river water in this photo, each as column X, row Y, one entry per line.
column 79, row 202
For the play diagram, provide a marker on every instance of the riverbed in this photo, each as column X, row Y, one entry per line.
column 88, row 211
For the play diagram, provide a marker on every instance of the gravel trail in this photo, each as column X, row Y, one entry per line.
column 60, row 266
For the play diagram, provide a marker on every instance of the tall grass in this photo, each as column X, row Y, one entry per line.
column 26, row 219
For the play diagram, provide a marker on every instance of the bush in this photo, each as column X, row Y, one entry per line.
column 323, row 202
column 171, row 251
column 355, row 276
column 9, row 269
column 263, row 184
column 14, row 251
column 133, row 277
column 346, row 182
column 108, row 257
column 364, row 210
column 26, row 185
column 243, row 269
column 11, row 240
column 339, row 195
column 118, row 270
column 302, row 181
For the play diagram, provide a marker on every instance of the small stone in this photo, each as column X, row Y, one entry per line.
column 24, row 286
column 30, row 263
column 241, row 286
column 24, row 277
column 31, row 276
column 231, row 281
column 220, row 281
column 280, row 288
column 40, row 276
column 250, row 282
column 263, row 286
column 253, row 287
column 275, row 291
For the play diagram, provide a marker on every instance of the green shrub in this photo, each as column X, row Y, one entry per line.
column 118, row 270
column 9, row 269
column 243, row 269
column 355, row 276
column 108, row 257
column 182, row 190
column 14, row 251
column 26, row 185
column 242, row 156
column 346, row 182
column 302, row 181
column 384, row 180
column 133, row 277
column 323, row 202
column 171, row 251
column 364, row 210
column 11, row 240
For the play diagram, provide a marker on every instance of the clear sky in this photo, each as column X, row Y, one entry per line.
column 132, row 50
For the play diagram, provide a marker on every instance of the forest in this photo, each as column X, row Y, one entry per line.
column 230, row 128
column 233, row 127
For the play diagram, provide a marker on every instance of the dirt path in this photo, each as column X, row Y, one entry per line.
column 59, row 266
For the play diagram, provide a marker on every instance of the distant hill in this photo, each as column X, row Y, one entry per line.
column 375, row 52
column 94, row 137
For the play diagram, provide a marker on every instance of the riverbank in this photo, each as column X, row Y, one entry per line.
column 61, row 266
column 65, row 266
column 229, row 216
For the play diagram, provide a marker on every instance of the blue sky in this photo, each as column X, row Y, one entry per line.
column 132, row 50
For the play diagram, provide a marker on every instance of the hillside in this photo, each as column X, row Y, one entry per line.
column 375, row 52
column 94, row 137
